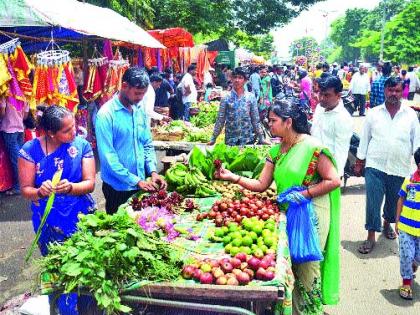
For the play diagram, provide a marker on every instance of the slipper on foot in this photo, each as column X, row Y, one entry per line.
column 406, row 293
column 366, row 247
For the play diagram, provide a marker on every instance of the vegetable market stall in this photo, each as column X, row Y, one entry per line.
column 256, row 296
column 201, row 245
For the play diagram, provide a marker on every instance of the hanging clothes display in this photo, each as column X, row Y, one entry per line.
column 54, row 80
column 95, row 80
column 14, row 74
column 116, row 69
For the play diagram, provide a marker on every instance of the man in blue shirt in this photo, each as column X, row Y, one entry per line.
column 124, row 141
column 377, row 91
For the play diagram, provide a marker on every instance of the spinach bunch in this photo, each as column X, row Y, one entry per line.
column 108, row 253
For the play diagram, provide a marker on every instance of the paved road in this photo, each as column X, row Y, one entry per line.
column 369, row 283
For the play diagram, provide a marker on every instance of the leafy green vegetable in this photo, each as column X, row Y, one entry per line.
column 108, row 253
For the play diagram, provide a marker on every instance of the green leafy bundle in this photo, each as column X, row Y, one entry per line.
column 206, row 116
column 247, row 162
column 106, row 254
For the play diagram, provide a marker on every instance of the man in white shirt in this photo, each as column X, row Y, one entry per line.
column 189, row 91
column 332, row 123
column 149, row 100
column 414, row 83
column 359, row 87
column 390, row 137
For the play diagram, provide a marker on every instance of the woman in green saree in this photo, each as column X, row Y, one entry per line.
column 301, row 160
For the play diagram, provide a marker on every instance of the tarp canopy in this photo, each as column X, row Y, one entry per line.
column 71, row 19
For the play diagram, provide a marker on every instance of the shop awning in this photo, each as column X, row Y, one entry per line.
column 75, row 17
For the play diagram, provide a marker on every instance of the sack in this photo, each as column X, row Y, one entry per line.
column 304, row 244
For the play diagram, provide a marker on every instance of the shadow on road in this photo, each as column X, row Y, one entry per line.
column 353, row 190
column 383, row 248
column 14, row 208
column 393, row 296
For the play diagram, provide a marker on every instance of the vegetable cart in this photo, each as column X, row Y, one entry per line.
column 253, row 298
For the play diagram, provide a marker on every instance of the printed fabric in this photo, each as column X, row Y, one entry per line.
column 239, row 116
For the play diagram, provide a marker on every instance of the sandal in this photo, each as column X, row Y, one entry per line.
column 406, row 293
column 366, row 247
column 389, row 232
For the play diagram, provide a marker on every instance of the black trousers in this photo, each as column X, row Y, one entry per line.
column 360, row 102
column 115, row 198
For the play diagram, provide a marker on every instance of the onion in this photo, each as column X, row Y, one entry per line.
column 254, row 263
column 188, row 272
column 206, row 278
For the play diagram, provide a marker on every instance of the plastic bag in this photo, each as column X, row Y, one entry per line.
column 304, row 244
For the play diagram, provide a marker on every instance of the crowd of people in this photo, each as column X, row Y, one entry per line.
column 311, row 156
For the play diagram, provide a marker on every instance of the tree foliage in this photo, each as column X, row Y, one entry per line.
column 358, row 33
column 253, row 17
column 401, row 36
column 348, row 29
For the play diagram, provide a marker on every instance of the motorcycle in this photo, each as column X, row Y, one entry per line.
column 351, row 158
column 348, row 101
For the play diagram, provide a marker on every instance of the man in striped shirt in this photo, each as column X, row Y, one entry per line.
column 408, row 227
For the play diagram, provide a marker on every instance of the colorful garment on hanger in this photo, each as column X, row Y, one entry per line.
column 15, row 96
column 4, row 75
column 93, row 85
column 68, row 88
column 22, row 68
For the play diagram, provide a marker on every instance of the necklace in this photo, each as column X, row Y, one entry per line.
column 46, row 145
column 295, row 141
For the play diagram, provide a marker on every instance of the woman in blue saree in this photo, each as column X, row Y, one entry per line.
column 39, row 159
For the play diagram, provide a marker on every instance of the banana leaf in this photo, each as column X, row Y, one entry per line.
column 55, row 180
column 247, row 160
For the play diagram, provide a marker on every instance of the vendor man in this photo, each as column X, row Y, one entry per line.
column 238, row 113
column 124, row 141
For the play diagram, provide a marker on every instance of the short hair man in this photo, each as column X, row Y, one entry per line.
column 124, row 141
column 238, row 113
column 189, row 91
column 360, row 87
column 390, row 136
column 332, row 123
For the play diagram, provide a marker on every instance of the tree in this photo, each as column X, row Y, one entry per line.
column 260, row 16
column 346, row 30
column 140, row 11
column 401, row 36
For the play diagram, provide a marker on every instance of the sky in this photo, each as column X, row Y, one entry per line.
column 315, row 22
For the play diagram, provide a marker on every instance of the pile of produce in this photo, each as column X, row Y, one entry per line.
column 108, row 253
column 188, row 180
column 229, row 190
column 239, row 270
column 173, row 202
column 202, row 135
column 253, row 237
column 247, row 162
column 227, row 210
column 207, row 114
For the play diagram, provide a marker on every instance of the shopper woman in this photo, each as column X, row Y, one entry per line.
column 39, row 159
column 302, row 161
